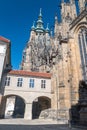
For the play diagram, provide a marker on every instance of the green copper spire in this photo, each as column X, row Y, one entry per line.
column 40, row 12
column 39, row 26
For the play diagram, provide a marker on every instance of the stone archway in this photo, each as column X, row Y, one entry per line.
column 40, row 104
column 13, row 106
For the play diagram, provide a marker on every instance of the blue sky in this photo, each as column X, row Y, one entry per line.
column 16, row 19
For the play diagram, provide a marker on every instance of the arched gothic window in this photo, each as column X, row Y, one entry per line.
column 82, row 38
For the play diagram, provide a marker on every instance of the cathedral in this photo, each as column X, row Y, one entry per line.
column 52, row 80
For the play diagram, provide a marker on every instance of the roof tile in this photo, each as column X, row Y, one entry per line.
column 4, row 39
column 28, row 73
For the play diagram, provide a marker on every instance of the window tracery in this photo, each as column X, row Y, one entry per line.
column 82, row 38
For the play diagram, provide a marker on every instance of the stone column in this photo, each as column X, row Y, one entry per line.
column 84, row 40
column 28, row 111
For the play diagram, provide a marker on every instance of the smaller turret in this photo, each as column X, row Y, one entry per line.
column 56, row 25
column 33, row 27
column 47, row 28
column 32, row 33
column 82, row 5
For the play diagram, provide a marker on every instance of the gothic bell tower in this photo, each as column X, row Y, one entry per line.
column 33, row 54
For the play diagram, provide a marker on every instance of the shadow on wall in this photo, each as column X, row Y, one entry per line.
column 78, row 112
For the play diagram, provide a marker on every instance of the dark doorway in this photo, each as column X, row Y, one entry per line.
column 19, row 108
column 13, row 106
column 40, row 104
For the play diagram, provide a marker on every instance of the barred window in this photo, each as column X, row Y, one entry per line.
column 43, row 83
column 31, row 83
column 19, row 82
column 7, row 81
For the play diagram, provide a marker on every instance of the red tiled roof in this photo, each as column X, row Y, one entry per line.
column 28, row 73
column 4, row 39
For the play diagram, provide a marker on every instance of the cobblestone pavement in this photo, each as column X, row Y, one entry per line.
column 21, row 124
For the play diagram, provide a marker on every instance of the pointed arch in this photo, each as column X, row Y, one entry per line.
column 79, row 26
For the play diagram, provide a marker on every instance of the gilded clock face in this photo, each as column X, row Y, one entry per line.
column 2, row 49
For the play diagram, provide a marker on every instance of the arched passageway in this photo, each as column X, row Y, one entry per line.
column 40, row 104
column 13, row 106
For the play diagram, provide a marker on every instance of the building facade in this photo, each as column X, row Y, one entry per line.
column 5, row 59
column 27, row 93
column 60, row 60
